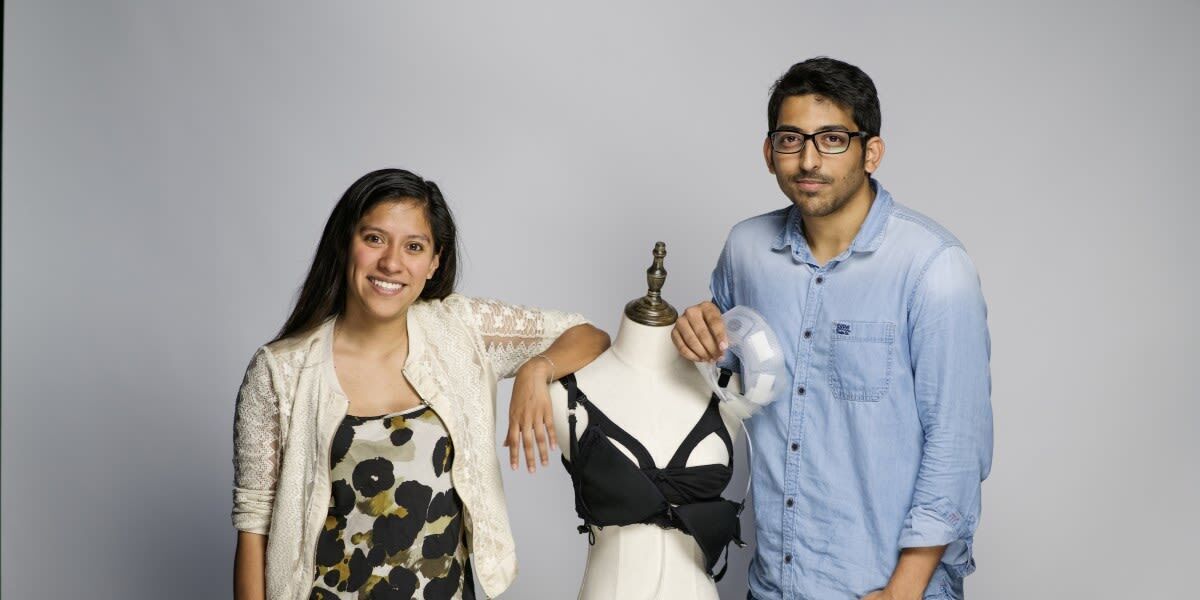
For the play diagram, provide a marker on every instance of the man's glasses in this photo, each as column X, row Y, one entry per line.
column 827, row 142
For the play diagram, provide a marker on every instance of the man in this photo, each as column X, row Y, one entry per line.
column 867, row 469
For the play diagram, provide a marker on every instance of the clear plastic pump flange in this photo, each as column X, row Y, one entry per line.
column 754, row 347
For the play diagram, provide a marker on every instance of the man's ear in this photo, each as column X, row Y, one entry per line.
column 768, row 155
column 874, row 154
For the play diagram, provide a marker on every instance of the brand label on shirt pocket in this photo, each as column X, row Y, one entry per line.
column 860, row 360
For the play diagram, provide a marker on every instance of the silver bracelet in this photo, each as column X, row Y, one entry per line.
column 553, row 368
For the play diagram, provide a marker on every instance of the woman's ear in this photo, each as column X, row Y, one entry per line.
column 437, row 258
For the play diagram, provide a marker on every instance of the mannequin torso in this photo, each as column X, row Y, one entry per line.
column 646, row 388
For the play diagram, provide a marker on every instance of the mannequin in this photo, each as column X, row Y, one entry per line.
column 644, row 386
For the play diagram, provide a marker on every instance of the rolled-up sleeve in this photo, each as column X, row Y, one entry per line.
column 513, row 334
column 719, row 284
column 256, row 446
column 950, row 350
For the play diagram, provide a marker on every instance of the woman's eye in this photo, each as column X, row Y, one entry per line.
column 373, row 239
column 415, row 247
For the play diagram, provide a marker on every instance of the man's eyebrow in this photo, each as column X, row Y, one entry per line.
column 818, row 130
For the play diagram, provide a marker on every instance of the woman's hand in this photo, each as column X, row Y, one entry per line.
column 530, row 417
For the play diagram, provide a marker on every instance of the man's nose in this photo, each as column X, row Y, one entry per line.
column 810, row 158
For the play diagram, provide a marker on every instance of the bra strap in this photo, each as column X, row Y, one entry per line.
column 573, row 395
column 568, row 382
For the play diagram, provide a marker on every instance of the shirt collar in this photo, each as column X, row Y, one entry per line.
column 869, row 237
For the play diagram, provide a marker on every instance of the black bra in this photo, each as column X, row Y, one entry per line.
column 612, row 490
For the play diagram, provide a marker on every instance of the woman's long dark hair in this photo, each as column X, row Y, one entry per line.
column 323, row 294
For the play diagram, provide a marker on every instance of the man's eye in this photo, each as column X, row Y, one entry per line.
column 835, row 138
column 790, row 139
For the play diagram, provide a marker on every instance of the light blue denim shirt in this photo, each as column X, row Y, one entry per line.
column 884, row 435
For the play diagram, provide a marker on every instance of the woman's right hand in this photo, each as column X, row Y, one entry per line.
column 699, row 333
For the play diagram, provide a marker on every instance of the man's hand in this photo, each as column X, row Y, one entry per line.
column 888, row 594
column 912, row 574
column 883, row 594
column 530, row 417
column 699, row 333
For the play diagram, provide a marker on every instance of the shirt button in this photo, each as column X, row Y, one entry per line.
column 788, row 559
column 790, row 502
column 807, row 333
column 795, row 446
column 820, row 280
column 800, row 390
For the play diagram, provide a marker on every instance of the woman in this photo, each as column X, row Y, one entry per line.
column 365, row 464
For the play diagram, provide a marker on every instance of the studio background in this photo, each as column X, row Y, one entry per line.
column 168, row 167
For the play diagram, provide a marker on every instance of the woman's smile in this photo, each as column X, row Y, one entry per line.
column 385, row 287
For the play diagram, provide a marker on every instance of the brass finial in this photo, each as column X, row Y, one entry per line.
column 651, row 309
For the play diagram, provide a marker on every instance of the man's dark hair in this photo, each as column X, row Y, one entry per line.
column 841, row 82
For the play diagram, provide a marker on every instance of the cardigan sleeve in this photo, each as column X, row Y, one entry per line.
column 513, row 334
column 256, row 446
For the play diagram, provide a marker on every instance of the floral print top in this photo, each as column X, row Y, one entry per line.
column 395, row 527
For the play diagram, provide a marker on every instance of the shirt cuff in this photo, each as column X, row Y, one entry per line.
column 574, row 319
column 940, row 524
column 252, row 510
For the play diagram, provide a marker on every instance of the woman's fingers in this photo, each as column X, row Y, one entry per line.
column 527, row 435
column 542, row 427
column 543, row 445
column 530, row 423
column 548, row 419
column 513, row 442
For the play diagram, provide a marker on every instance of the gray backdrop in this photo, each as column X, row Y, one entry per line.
column 168, row 167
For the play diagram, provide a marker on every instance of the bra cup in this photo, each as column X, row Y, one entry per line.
column 617, row 492
column 713, row 525
column 613, row 490
column 587, row 442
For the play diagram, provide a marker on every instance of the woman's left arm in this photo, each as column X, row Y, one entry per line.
column 530, row 417
column 537, row 346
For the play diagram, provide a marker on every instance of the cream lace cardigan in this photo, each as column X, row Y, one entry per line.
column 290, row 405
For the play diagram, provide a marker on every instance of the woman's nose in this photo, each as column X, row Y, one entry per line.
column 389, row 261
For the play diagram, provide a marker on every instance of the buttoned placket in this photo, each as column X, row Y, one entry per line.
column 817, row 280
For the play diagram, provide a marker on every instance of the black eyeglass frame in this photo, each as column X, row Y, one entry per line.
column 813, row 136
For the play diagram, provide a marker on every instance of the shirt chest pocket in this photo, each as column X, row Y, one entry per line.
column 860, row 360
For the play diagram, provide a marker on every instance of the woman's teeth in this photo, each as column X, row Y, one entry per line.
column 391, row 287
